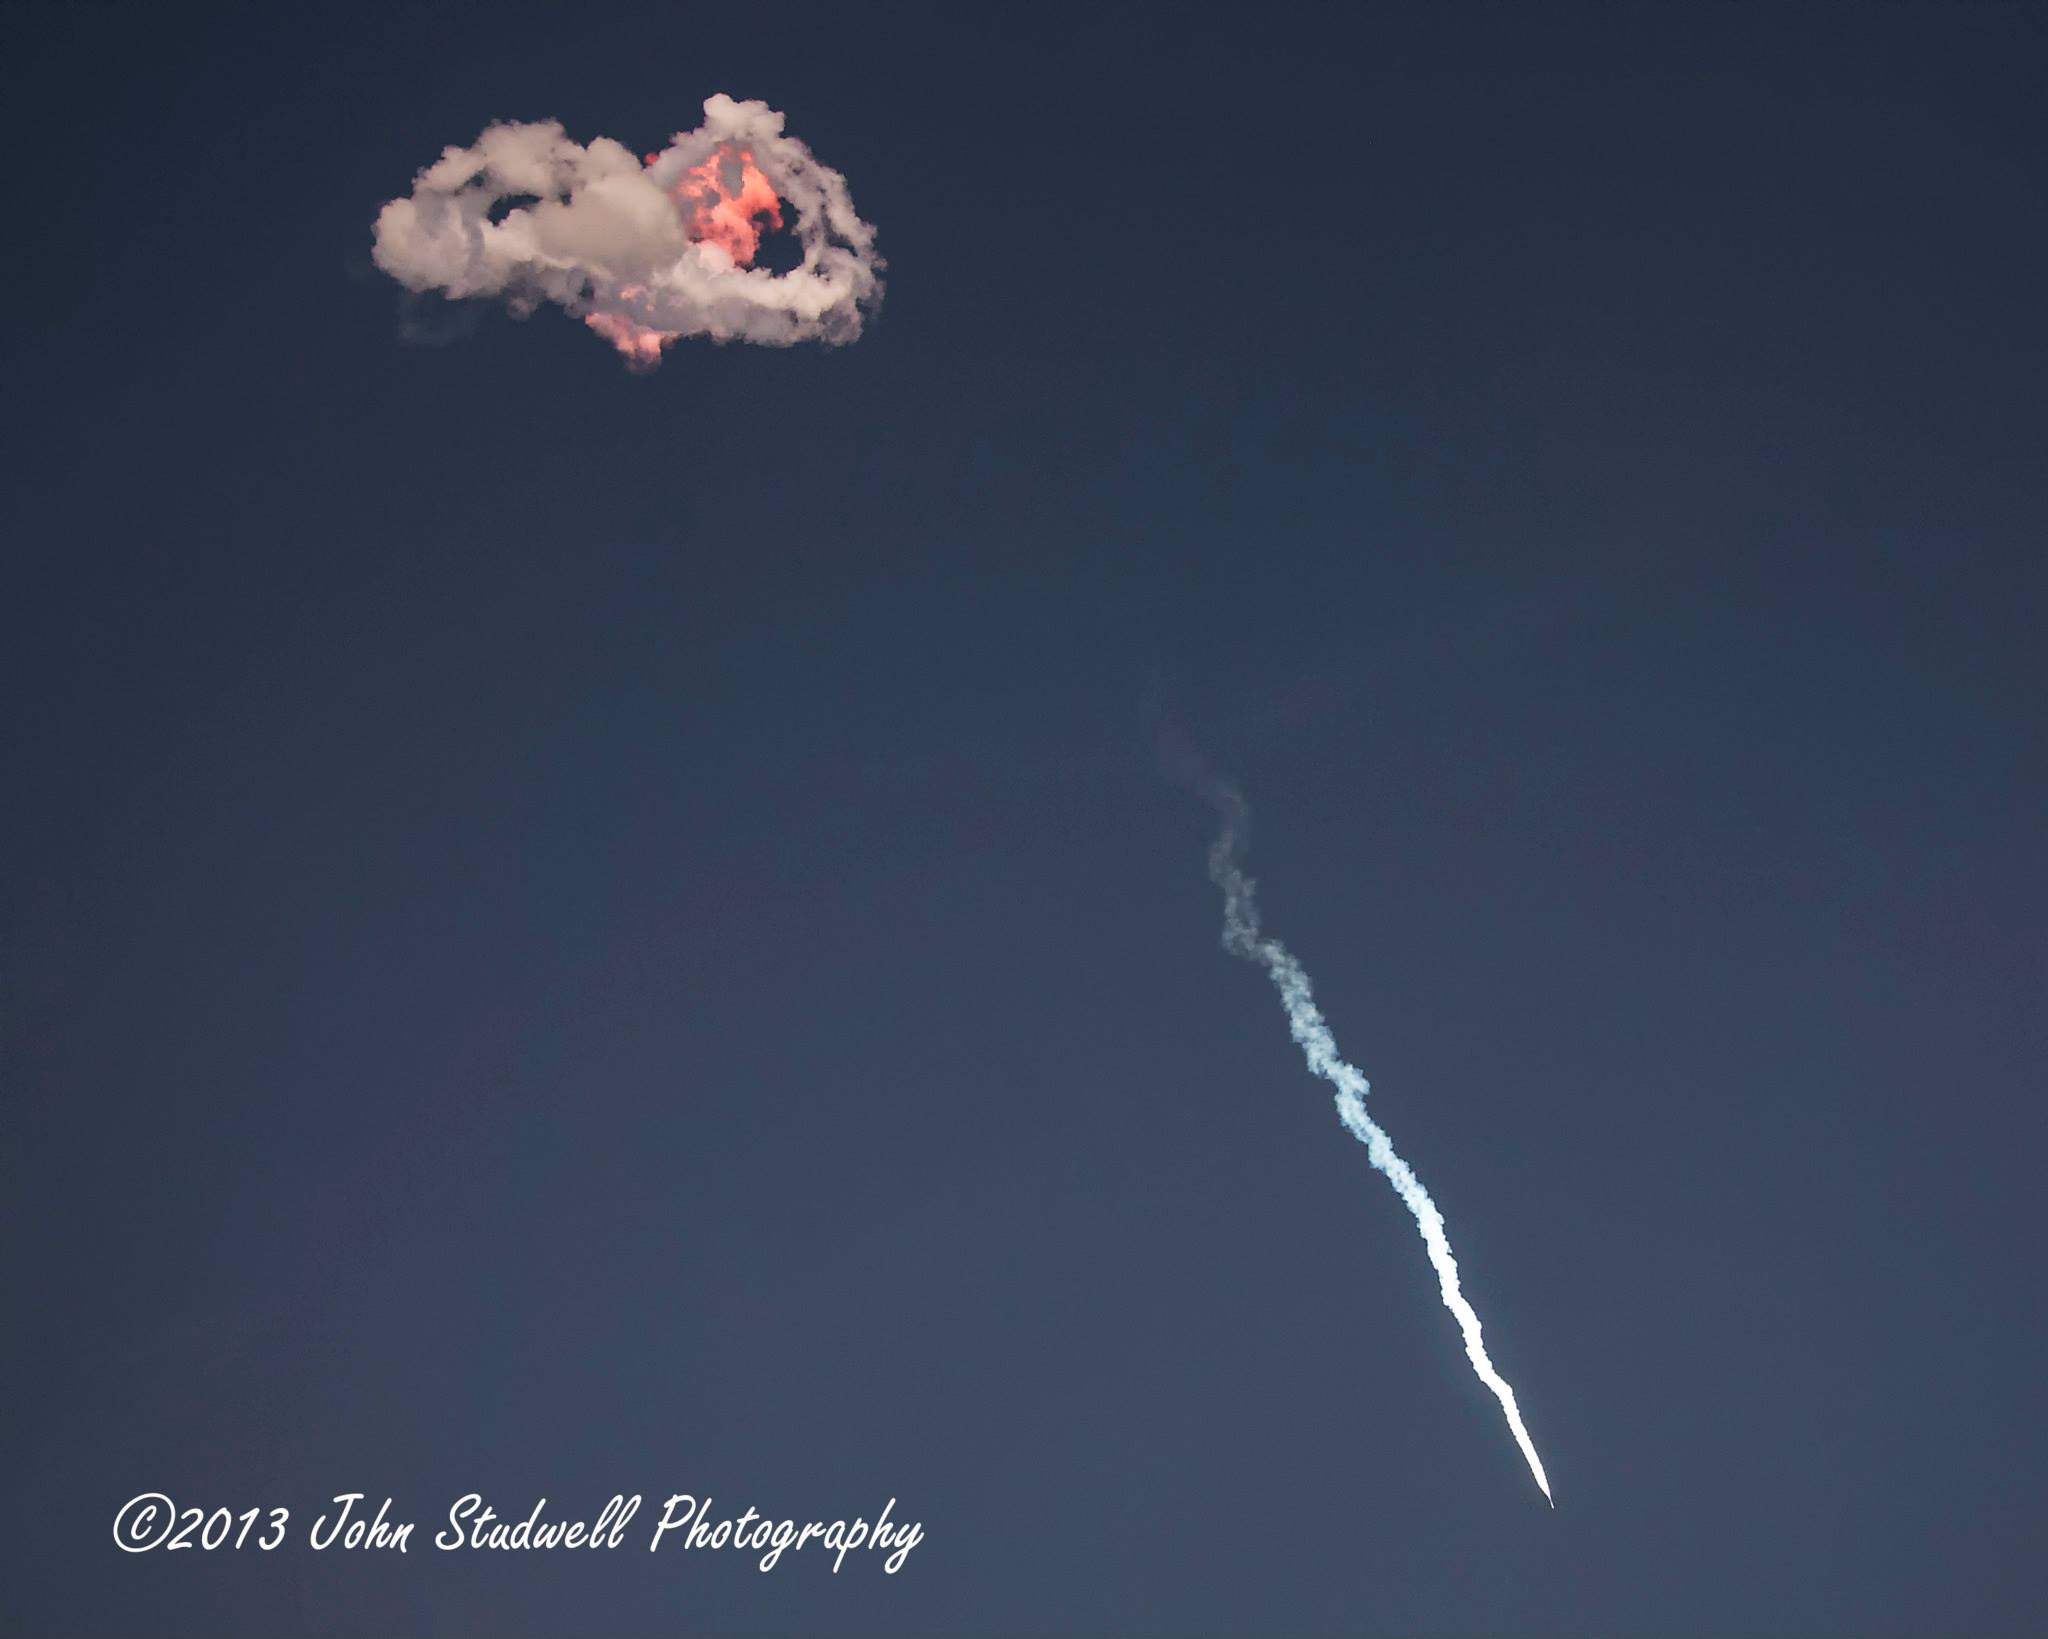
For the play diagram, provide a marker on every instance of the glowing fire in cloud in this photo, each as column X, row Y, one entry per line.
column 723, row 198
column 641, row 344
column 644, row 250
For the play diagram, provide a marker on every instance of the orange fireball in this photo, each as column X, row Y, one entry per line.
column 724, row 200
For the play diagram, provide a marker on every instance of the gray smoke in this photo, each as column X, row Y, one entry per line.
column 642, row 252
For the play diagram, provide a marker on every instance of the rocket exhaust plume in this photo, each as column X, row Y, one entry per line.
column 643, row 250
column 1242, row 938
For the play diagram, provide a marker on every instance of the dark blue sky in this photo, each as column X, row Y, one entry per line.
column 570, row 932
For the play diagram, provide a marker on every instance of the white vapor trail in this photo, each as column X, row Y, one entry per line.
column 1241, row 937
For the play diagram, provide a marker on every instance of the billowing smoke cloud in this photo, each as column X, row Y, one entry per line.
column 644, row 251
column 1241, row 937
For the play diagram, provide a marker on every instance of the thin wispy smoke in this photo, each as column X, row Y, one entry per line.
column 1242, row 938
column 644, row 249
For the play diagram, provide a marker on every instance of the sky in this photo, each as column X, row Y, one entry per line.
column 573, row 932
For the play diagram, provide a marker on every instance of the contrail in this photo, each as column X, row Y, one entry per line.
column 1241, row 937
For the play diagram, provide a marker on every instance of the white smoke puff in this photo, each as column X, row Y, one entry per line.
column 642, row 253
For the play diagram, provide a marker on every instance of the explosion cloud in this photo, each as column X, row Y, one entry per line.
column 643, row 250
